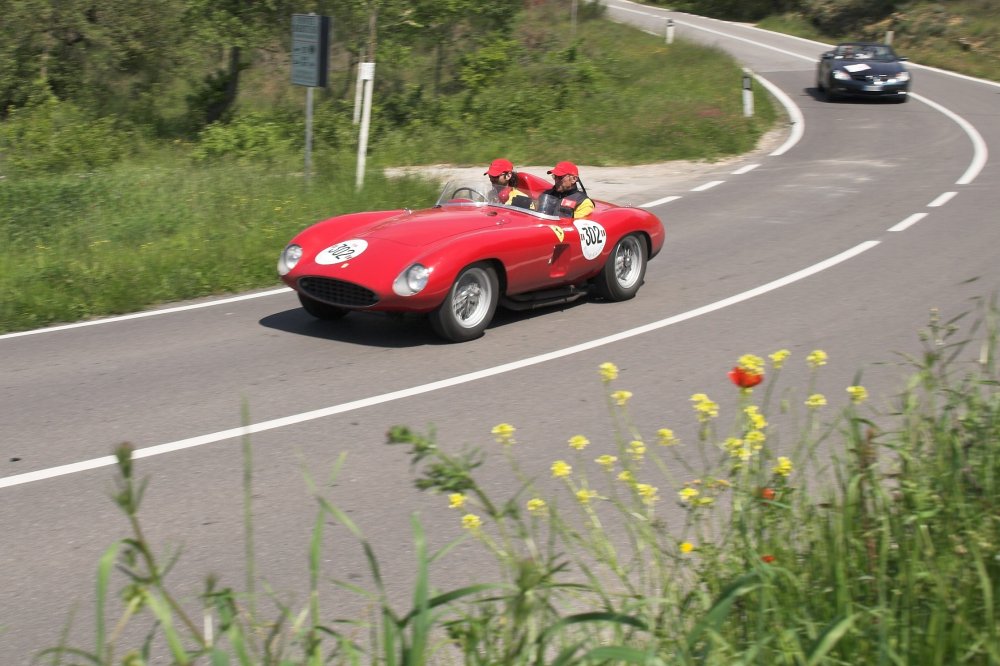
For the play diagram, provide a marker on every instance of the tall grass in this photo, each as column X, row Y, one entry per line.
column 884, row 548
column 84, row 245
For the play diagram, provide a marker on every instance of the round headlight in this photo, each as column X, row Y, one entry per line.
column 412, row 280
column 289, row 258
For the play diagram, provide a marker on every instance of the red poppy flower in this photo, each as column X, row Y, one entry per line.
column 767, row 559
column 744, row 378
column 767, row 493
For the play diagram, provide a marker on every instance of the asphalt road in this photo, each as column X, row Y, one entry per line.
column 843, row 238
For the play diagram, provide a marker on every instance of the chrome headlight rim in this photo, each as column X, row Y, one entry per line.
column 289, row 258
column 412, row 280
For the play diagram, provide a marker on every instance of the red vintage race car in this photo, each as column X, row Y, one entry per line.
column 468, row 254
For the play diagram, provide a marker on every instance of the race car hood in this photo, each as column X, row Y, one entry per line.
column 428, row 227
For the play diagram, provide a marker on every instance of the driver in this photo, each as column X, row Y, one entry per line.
column 567, row 188
column 504, row 180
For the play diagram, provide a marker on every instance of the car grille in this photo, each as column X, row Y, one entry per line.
column 338, row 292
column 872, row 78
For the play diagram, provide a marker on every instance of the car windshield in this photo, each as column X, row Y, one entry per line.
column 881, row 52
column 479, row 192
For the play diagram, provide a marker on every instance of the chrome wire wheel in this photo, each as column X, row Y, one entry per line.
column 624, row 270
column 628, row 262
column 470, row 304
column 472, row 296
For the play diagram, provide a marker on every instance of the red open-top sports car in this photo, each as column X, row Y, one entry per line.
column 460, row 259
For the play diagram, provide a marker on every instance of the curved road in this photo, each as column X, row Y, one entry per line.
column 844, row 239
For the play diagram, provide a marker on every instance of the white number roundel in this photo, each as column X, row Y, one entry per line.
column 592, row 237
column 341, row 252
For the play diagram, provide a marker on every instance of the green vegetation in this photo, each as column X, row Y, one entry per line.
column 102, row 215
column 888, row 552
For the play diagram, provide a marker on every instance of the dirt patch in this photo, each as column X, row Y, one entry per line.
column 614, row 183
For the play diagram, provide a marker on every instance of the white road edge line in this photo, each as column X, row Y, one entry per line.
column 908, row 222
column 170, row 447
column 146, row 313
column 745, row 169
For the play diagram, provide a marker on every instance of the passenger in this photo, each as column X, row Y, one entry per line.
column 504, row 181
column 573, row 200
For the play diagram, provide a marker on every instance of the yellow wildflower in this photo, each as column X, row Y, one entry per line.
column 536, row 505
column 778, row 358
column 456, row 501
column 858, row 394
column 816, row 400
column 666, row 437
column 705, row 408
column 609, row 372
column 621, row 397
column 705, row 501
column 583, row 496
column 504, row 433
column 784, row 467
column 471, row 521
column 757, row 419
column 688, row 494
column 606, row 461
column 626, row 476
column 579, row 442
column 816, row 358
column 755, row 438
column 561, row 469
column 686, row 547
column 751, row 363
column 647, row 493
column 636, row 449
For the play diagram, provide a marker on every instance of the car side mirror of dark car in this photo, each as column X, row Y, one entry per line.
column 902, row 58
column 828, row 54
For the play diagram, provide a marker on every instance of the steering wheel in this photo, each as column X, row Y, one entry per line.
column 473, row 195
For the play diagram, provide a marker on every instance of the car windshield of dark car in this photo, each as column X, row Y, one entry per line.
column 877, row 52
column 481, row 192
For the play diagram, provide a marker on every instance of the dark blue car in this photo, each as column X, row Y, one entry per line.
column 863, row 69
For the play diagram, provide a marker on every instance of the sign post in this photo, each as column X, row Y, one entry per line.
column 366, row 73
column 310, row 64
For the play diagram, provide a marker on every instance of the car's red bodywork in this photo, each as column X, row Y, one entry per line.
column 352, row 261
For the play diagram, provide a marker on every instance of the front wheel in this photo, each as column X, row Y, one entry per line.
column 321, row 310
column 469, row 306
column 624, row 272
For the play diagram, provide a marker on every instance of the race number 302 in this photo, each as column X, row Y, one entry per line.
column 592, row 237
column 341, row 252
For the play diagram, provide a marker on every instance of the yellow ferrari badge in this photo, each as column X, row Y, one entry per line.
column 558, row 231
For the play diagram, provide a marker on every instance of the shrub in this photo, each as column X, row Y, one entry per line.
column 53, row 136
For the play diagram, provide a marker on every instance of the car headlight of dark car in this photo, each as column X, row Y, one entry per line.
column 412, row 280
column 900, row 77
column 841, row 75
column 288, row 258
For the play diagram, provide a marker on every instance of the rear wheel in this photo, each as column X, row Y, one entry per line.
column 320, row 310
column 623, row 274
column 469, row 306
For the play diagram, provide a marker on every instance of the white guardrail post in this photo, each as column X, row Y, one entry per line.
column 670, row 31
column 747, row 93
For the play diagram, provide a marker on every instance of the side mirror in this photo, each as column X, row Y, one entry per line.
column 902, row 58
column 828, row 54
